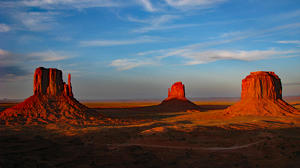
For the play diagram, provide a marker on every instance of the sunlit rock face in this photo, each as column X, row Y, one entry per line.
column 261, row 95
column 49, row 82
column 261, row 85
column 176, row 100
column 52, row 102
column 177, row 91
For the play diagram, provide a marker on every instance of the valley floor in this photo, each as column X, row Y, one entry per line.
column 165, row 139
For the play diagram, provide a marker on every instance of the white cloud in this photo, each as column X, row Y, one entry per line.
column 163, row 22
column 9, row 58
column 4, row 27
column 36, row 21
column 289, row 42
column 12, row 65
column 47, row 56
column 125, row 64
column 210, row 56
column 189, row 4
column 147, row 5
column 102, row 43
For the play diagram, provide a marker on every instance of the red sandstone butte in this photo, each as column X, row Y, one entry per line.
column 177, row 91
column 52, row 102
column 261, row 95
column 176, row 100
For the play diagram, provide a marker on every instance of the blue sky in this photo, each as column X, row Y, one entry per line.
column 136, row 49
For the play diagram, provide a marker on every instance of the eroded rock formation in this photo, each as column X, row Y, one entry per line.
column 261, row 85
column 176, row 100
column 261, row 95
column 177, row 91
column 52, row 102
column 49, row 82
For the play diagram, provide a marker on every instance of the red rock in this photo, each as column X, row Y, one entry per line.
column 176, row 100
column 52, row 102
column 177, row 91
column 261, row 95
column 49, row 82
column 70, row 92
column 261, row 85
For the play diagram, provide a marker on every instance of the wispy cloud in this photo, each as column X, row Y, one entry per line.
column 36, row 21
column 10, row 70
column 192, row 4
column 4, row 28
column 192, row 55
column 12, row 64
column 211, row 56
column 163, row 22
column 289, row 42
column 147, row 5
column 103, row 43
column 47, row 56
column 125, row 64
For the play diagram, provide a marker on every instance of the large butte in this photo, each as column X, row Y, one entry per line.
column 52, row 102
column 261, row 95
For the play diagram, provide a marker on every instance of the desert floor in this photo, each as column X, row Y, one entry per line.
column 168, row 139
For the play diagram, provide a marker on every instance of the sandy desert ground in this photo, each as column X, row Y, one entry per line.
column 156, row 139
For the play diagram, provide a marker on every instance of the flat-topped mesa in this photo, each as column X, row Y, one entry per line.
column 261, row 95
column 49, row 82
column 177, row 91
column 261, row 85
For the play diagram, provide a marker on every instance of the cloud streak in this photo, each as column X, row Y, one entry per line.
column 211, row 56
column 126, row 64
column 163, row 22
column 12, row 64
column 4, row 28
column 104, row 43
column 36, row 21
column 193, row 4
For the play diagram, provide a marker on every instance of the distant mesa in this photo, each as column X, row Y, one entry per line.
column 261, row 95
column 176, row 100
column 52, row 102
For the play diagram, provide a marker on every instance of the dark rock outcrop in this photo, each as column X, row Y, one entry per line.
column 261, row 95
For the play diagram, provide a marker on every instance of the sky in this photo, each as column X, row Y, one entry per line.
column 136, row 49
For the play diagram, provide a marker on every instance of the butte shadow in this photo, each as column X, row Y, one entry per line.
column 53, row 102
column 261, row 96
column 176, row 101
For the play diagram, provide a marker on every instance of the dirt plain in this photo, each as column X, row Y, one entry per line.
column 161, row 139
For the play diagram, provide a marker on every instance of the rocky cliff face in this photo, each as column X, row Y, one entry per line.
column 49, row 82
column 261, row 95
column 52, row 102
column 177, row 91
column 261, row 85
